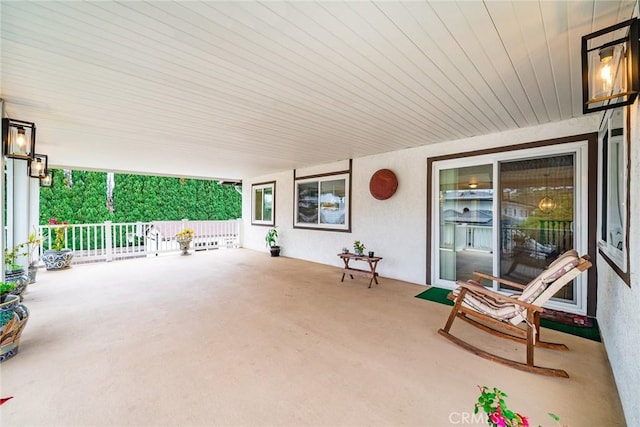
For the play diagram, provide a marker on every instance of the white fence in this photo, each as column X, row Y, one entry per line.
column 108, row 241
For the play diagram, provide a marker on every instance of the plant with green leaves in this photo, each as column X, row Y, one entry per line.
column 6, row 287
column 59, row 229
column 33, row 244
column 11, row 257
column 358, row 247
column 271, row 238
column 492, row 402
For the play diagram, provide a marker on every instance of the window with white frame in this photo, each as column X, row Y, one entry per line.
column 614, row 191
column 263, row 197
column 323, row 202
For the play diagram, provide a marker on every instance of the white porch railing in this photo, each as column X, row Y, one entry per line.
column 109, row 241
column 466, row 237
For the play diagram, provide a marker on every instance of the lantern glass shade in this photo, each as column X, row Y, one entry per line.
column 47, row 180
column 610, row 76
column 38, row 166
column 18, row 139
column 547, row 204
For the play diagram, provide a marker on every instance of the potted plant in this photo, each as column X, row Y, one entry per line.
column 5, row 289
column 358, row 248
column 14, row 272
column 271, row 239
column 58, row 257
column 184, row 239
column 13, row 316
column 33, row 245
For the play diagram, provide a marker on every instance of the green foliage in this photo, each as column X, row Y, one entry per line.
column 136, row 198
column 492, row 402
column 6, row 287
column 271, row 237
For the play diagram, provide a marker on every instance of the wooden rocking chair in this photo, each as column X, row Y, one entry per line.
column 503, row 315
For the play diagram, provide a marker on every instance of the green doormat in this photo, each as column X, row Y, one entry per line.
column 439, row 295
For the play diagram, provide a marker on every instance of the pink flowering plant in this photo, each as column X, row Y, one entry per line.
column 59, row 230
column 492, row 402
column 498, row 415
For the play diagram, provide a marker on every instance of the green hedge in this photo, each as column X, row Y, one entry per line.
column 136, row 198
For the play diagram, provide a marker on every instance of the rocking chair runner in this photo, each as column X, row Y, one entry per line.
column 502, row 315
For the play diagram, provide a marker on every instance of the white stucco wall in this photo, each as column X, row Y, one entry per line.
column 619, row 305
column 394, row 228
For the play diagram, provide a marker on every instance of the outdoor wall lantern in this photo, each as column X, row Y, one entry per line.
column 47, row 180
column 610, row 63
column 18, row 139
column 39, row 166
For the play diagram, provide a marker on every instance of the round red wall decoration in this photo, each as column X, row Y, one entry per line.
column 383, row 184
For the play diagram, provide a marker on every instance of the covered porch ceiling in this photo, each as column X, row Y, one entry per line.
column 231, row 90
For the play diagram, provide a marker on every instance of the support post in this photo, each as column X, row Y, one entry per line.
column 108, row 240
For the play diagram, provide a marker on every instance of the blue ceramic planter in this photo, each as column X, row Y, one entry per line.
column 57, row 260
column 13, row 319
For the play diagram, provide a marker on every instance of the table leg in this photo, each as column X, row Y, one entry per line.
column 372, row 266
column 346, row 265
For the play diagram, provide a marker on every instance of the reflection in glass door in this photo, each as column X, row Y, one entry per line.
column 536, row 216
column 466, row 221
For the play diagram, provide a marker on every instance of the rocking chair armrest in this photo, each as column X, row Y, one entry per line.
column 498, row 296
column 481, row 276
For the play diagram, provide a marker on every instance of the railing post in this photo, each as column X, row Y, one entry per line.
column 108, row 240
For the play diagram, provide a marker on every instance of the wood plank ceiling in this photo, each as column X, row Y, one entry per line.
column 240, row 89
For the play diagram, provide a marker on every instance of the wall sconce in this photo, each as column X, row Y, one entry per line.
column 47, row 180
column 610, row 63
column 18, row 139
column 39, row 166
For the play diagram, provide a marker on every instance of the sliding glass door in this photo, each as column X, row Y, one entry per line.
column 537, row 198
column 466, row 221
column 510, row 215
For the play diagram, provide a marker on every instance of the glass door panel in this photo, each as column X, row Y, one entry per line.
column 466, row 221
column 537, row 198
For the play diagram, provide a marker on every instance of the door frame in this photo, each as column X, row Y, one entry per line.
column 588, row 212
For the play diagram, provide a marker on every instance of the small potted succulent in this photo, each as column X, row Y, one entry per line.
column 271, row 240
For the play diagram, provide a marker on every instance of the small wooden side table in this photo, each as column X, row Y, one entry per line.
column 371, row 261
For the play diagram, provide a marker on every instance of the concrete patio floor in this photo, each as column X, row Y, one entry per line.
column 234, row 337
